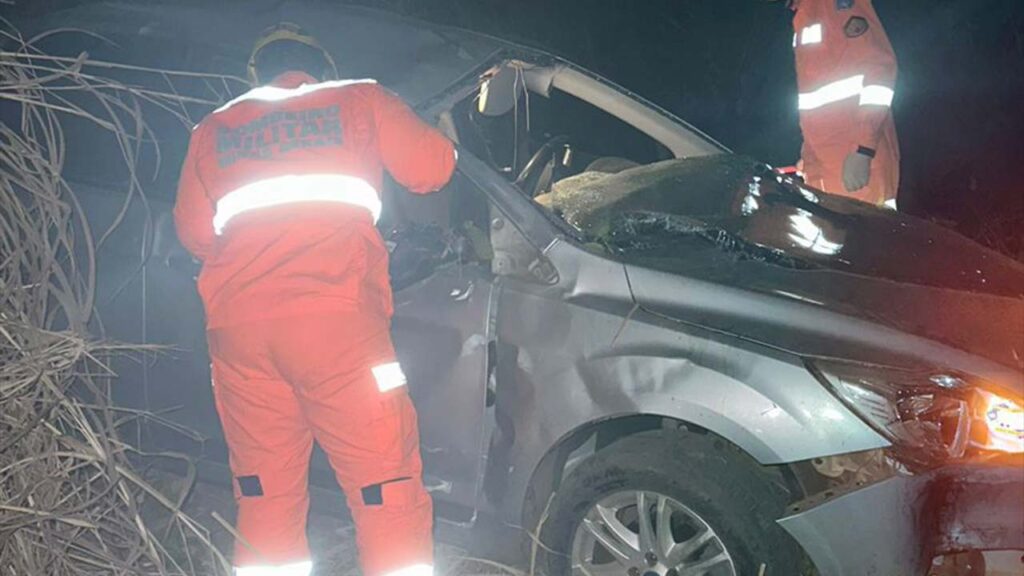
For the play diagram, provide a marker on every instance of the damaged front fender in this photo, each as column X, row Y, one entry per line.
column 581, row 352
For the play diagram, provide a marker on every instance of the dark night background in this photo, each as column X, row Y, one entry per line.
column 726, row 66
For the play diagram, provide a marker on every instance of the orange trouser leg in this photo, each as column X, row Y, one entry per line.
column 823, row 167
column 369, row 435
column 825, row 172
column 269, row 443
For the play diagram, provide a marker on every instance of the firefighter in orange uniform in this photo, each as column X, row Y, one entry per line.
column 278, row 197
column 846, row 73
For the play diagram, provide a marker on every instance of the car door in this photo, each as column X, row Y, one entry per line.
column 442, row 330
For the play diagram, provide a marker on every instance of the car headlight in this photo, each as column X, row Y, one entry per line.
column 1004, row 423
column 930, row 417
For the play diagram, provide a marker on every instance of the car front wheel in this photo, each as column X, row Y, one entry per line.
column 669, row 503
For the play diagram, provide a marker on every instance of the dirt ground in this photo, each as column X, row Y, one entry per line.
column 332, row 540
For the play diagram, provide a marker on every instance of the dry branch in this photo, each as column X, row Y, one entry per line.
column 70, row 500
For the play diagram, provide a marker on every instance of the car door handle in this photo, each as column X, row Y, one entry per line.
column 463, row 293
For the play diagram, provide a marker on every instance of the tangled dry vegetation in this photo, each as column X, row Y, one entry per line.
column 72, row 499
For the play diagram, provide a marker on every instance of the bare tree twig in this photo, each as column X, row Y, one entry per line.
column 72, row 501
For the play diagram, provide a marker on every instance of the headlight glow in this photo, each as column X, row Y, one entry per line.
column 1004, row 423
column 931, row 418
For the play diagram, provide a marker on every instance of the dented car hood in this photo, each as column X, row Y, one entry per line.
column 724, row 242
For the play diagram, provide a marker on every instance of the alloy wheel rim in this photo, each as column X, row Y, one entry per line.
column 643, row 533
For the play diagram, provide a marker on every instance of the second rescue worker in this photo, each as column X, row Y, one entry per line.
column 846, row 74
column 278, row 197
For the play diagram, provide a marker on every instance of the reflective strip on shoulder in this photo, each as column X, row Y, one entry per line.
column 415, row 570
column 876, row 95
column 811, row 34
column 389, row 376
column 293, row 189
column 890, row 204
column 277, row 93
column 296, row 569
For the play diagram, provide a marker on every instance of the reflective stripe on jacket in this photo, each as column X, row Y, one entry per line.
column 846, row 76
column 280, row 190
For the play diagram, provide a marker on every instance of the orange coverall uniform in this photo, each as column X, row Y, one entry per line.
column 278, row 197
column 846, row 73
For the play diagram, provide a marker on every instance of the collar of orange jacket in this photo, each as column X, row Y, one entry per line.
column 292, row 79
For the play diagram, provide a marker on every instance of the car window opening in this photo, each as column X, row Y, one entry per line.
column 541, row 140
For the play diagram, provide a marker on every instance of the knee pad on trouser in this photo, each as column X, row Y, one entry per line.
column 355, row 400
column 273, row 526
column 270, row 447
column 394, row 524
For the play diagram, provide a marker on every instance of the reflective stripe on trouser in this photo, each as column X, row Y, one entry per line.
column 414, row 570
column 295, row 569
column 280, row 384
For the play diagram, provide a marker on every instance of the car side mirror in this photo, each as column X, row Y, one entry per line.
column 499, row 93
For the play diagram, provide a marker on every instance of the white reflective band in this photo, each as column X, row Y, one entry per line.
column 890, row 204
column 876, row 96
column 276, row 93
column 296, row 569
column 811, row 35
column 296, row 188
column 417, row 570
column 795, row 36
column 834, row 92
column 389, row 376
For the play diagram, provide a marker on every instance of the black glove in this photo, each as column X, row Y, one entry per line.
column 857, row 169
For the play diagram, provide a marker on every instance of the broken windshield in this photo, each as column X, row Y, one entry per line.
column 648, row 208
column 661, row 214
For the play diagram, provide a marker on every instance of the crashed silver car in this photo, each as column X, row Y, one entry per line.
column 649, row 354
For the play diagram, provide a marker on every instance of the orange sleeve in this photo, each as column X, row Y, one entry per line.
column 877, row 62
column 193, row 210
column 416, row 154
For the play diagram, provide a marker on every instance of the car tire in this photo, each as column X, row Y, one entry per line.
column 732, row 494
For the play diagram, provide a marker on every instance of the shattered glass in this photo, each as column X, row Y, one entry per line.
column 590, row 202
column 671, row 214
column 650, row 211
